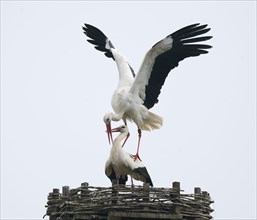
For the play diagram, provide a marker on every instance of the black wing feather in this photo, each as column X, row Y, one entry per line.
column 98, row 39
column 143, row 172
column 196, row 39
column 181, row 49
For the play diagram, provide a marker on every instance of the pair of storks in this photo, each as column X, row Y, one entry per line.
column 136, row 94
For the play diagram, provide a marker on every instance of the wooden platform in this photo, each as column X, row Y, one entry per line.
column 125, row 203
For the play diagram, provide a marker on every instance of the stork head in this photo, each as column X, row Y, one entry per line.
column 107, row 120
column 121, row 129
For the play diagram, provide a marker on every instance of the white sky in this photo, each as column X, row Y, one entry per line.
column 55, row 89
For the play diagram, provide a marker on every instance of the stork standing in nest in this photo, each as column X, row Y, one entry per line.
column 120, row 163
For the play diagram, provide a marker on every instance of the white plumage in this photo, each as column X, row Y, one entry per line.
column 134, row 96
column 120, row 163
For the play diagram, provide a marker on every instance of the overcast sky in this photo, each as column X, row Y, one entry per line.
column 55, row 89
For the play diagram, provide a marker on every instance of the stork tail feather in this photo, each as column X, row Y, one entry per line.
column 152, row 122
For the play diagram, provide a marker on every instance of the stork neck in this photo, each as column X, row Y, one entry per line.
column 118, row 140
column 125, row 75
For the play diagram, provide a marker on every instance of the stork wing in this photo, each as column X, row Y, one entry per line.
column 164, row 56
column 101, row 42
column 137, row 169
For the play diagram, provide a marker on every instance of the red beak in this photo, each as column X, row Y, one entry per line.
column 109, row 132
column 115, row 129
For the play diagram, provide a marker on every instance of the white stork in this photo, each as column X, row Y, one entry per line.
column 135, row 95
column 121, row 163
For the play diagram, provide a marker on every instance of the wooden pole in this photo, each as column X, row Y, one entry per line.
column 175, row 196
column 146, row 187
column 65, row 196
column 176, row 189
column 65, row 191
column 114, row 192
column 198, row 194
column 52, row 197
column 84, row 190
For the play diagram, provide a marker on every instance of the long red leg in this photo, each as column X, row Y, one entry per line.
column 125, row 139
column 125, row 122
column 139, row 138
